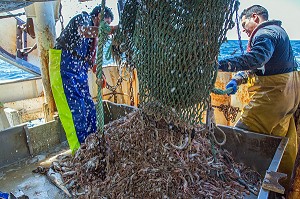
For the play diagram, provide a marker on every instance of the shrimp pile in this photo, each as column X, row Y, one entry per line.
column 139, row 157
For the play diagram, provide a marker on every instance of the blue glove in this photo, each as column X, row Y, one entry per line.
column 232, row 84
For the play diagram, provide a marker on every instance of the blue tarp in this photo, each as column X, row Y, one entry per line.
column 3, row 195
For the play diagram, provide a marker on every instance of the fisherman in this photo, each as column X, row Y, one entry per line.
column 270, row 60
column 74, row 54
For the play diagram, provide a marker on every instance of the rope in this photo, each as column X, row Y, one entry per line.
column 104, row 29
column 218, row 91
column 61, row 17
column 238, row 27
column 213, row 149
column 211, row 125
column 223, row 135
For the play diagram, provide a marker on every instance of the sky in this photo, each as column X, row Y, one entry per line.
column 288, row 11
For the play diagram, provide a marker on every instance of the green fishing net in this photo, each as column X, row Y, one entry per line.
column 174, row 45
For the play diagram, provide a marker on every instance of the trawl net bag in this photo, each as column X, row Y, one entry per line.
column 174, row 45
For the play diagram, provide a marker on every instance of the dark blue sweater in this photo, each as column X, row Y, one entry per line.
column 269, row 52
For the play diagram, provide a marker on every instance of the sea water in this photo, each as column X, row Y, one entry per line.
column 229, row 48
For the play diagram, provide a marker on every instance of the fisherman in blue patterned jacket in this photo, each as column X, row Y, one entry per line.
column 73, row 55
column 271, row 61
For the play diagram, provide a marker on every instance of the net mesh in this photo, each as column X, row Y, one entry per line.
column 174, row 44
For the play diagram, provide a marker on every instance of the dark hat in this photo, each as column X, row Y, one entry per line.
column 107, row 12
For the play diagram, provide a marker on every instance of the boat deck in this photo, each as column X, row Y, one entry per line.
column 19, row 179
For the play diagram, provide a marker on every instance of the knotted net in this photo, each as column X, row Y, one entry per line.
column 174, row 45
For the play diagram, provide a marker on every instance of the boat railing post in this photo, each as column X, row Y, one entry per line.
column 44, row 26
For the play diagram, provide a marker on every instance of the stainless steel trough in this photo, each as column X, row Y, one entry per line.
column 258, row 151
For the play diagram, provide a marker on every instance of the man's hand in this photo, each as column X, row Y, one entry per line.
column 94, row 68
column 113, row 29
column 232, row 84
column 101, row 82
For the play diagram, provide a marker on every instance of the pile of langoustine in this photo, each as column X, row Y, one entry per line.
column 138, row 157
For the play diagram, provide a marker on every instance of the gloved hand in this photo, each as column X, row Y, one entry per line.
column 232, row 84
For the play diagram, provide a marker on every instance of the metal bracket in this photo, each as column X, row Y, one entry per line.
column 211, row 124
column 271, row 182
column 210, row 116
column 18, row 195
column 29, row 142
